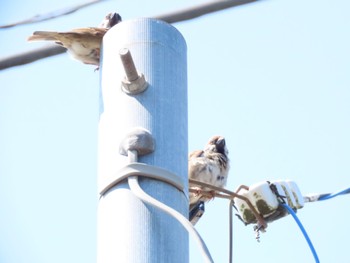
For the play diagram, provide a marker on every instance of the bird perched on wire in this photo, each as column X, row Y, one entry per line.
column 210, row 166
column 83, row 44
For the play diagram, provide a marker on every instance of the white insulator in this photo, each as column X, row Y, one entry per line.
column 261, row 197
column 296, row 193
column 284, row 189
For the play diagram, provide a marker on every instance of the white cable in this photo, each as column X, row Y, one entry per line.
column 137, row 190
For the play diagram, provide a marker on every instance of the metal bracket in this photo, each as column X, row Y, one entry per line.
column 145, row 170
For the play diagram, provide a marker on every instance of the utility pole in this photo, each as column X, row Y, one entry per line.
column 146, row 108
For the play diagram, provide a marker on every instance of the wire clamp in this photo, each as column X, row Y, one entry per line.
column 139, row 141
column 143, row 170
column 280, row 198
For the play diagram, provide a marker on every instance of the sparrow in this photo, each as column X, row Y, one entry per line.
column 83, row 44
column 210, row 166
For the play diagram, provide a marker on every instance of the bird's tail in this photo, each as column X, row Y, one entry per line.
column 44, row 35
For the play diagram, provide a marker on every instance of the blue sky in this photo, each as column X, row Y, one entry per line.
column 272, row 77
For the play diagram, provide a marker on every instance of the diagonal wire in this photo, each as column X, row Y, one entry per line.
column 199, row 10
column 51, row 15
column 322, row 197
column 224, row 193
column 140, row 193
column 173, row 17
column 302, row 229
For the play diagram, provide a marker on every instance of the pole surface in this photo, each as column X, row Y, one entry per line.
column 128, row 229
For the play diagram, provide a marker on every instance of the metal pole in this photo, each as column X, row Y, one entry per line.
column 128, row 229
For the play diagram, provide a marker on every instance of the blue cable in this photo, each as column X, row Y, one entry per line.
column 291, row 211
column 329, row 196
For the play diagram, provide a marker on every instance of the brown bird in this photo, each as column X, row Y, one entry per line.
column 210, row 166
column 83, row 44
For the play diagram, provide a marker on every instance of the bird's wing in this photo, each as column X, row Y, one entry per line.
column 88, row 32
column 44, row 35
column 93, row 31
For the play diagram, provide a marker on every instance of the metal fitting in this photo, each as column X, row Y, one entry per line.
column 137, row 142
column 133, row 83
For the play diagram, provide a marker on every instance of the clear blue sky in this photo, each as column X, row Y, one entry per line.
column 272, row 77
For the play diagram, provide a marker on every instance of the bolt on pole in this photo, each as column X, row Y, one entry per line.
column 143, row 90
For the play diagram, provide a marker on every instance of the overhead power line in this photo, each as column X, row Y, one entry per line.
column 173, row 17
column 51, row 15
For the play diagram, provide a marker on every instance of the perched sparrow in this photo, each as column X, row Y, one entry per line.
column 83, row 43
column 210, row 166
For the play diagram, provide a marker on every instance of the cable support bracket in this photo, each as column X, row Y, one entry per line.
column 143, row 170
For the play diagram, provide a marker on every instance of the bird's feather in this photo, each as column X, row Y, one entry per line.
column 83, row 44
column 210, row 166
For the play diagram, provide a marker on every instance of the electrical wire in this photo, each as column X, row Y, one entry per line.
column 308, row 240
column 230, row 231
column 322, row 197
column 329, row 196
column 138, row 191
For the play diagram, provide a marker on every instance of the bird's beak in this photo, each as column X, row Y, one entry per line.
column 115, row 19
column 221, row 142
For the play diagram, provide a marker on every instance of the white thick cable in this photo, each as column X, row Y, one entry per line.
column 137, row 190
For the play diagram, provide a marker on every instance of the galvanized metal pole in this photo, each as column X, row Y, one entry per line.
column 128, row 229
